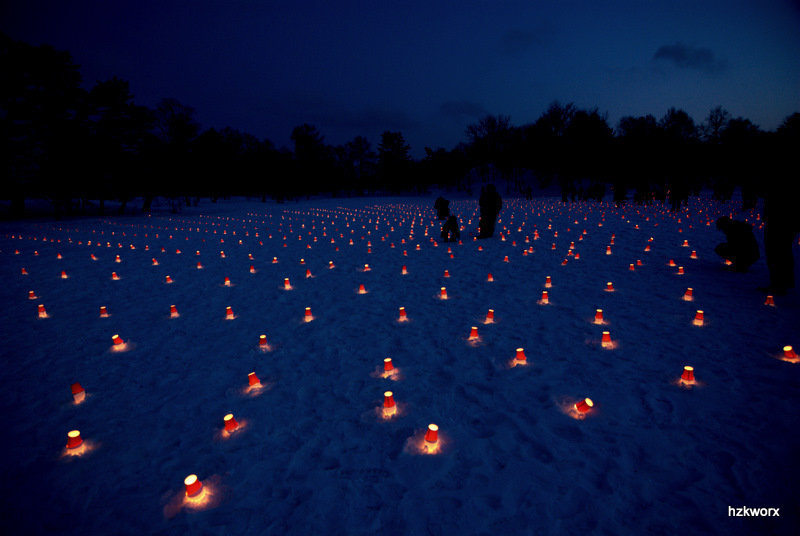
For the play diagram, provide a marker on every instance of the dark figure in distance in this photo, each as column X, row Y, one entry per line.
column 491, row 204
column 781, row 226
column 442, row 207
column 741, row 247
column 450, row 232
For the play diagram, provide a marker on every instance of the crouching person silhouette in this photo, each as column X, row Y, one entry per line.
column 741, row 247
column 450, row 232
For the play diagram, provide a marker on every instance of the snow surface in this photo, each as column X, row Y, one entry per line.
column 313, row 454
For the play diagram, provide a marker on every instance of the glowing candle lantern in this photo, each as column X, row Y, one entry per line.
column 78, row 392
column 169, row 279
column 443, row 293
column 548, row 282
column 545, row 298
column 473, row 333
column 31, row 295
column 193, row 485
column 446, row 273
column 252, row 379
column 366, row 268
column 387, row 365
column 606, row 341
column 680, row 270
column 229, row 313
column 252, row 269
column 598, row 316
column 403, row 316
column 698, row 318
column 789, row 353
column 609, row 287
column 42, row 312
column 769, row 301
column 103, row 311
column 631, row 268
column 388, row 399
column 117, row 259
column 687, row 296
column 432, row 435
column 694, row 254
column 230, row 423
column 155, row 262
column 489, row 278
column 117, row 340
column 74, row 439
column 286, row 284
column 685, row 244
column 274, row 260
column 521, row 358
column 608, row 250
column 307, row 317
column 63, row 273
column 671, row 262
column 505, row 259
column 114, row 276
column 330, row 264
column 647, row 247
column 227, row 282
column 584, row 405
column 490, row 316
column 688, row 374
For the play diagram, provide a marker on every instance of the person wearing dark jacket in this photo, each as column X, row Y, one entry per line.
column 450, row 232
column 442, row 207
column 741, row 247
column 490, row 204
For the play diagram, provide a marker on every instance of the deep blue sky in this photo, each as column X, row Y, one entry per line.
column 427, row 68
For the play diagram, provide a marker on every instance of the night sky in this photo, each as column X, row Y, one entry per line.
column 428, row 68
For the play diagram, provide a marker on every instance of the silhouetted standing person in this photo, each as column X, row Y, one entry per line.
column 781, row 225
column 450, row 231
column 491, row 204
column 741, row 247
column 442, row 207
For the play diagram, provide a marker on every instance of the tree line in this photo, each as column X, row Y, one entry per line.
column 74, row 147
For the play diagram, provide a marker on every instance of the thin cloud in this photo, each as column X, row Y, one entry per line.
column 689, row 57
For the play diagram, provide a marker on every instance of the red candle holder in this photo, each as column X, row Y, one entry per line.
column 78, row 392
column 74, row 439
column 432, row 435
column 230, row 423
column 252, row 379
column 584, row 405
column 688, row 374
column 521, row 358
column 193, row 485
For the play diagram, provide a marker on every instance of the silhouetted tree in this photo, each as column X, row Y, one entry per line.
column 118, row 131
column 42, row 115
column 394, row 162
